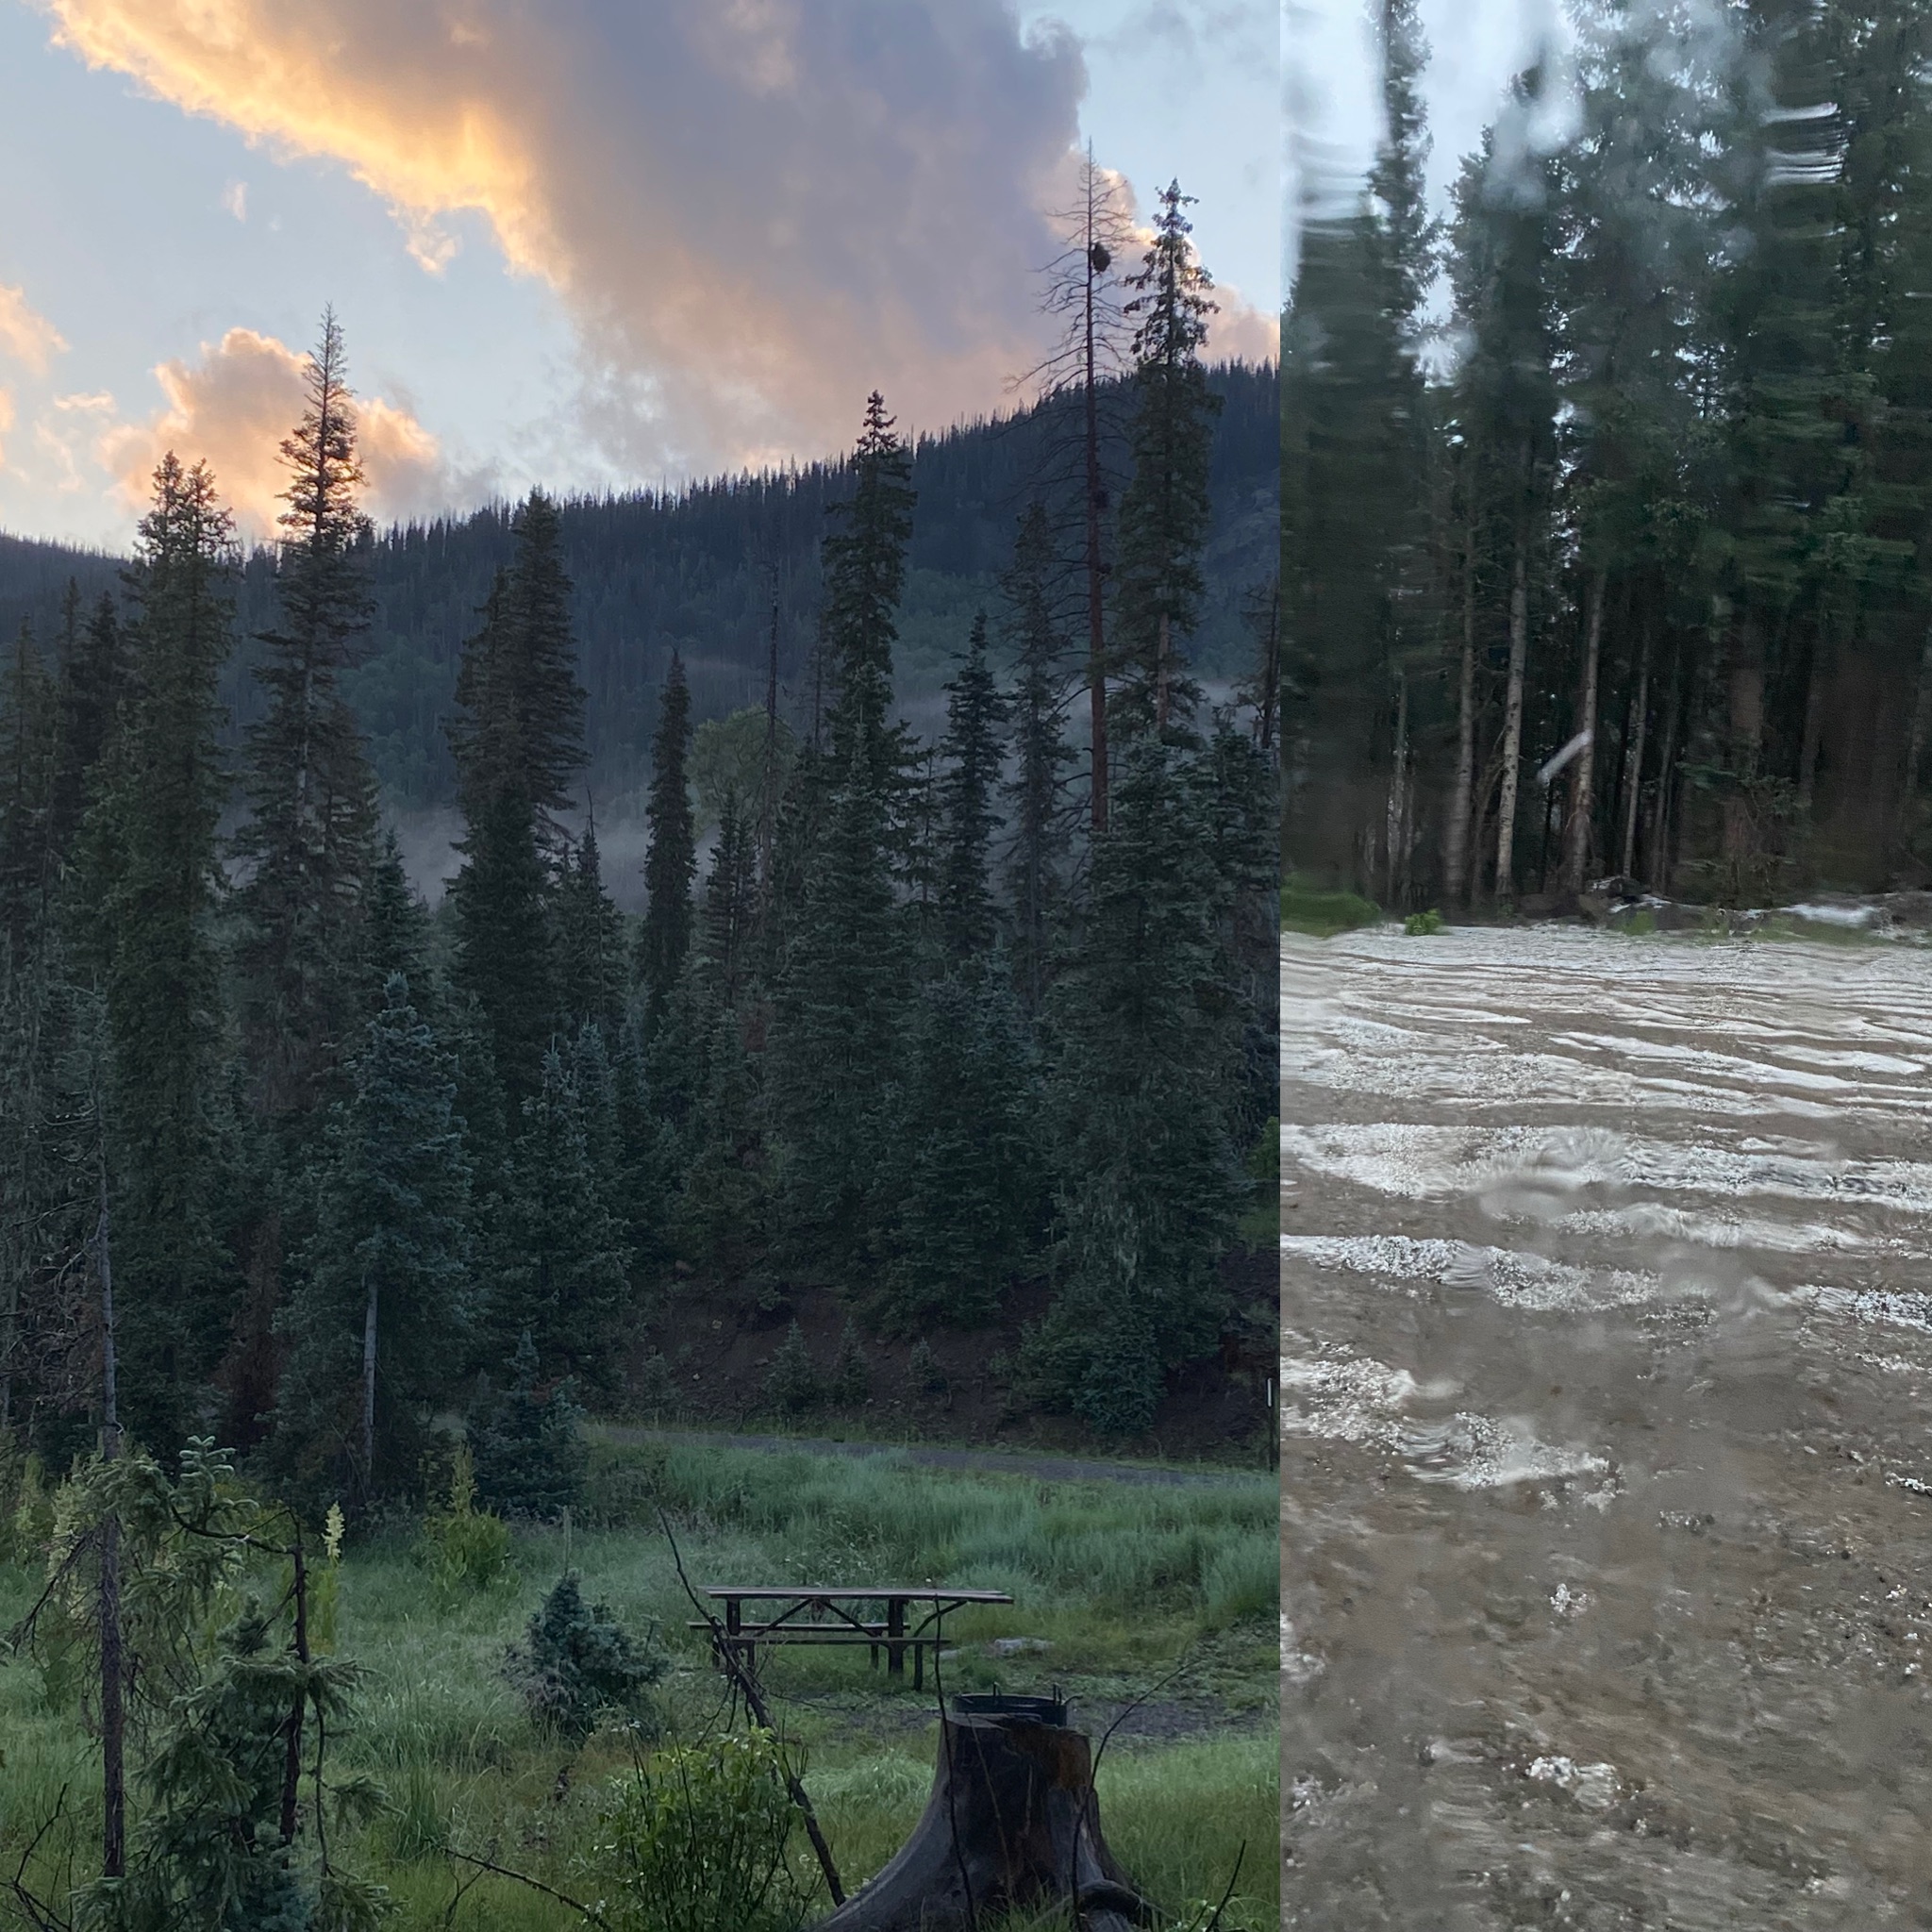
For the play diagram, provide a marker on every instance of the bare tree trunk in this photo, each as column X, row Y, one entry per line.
column 291, row 1732
column 113, row 1662
column 1512, row 722
column 1814, row 716
column 1096, row 570
column 1915, row 744
column 1398, row 796
column 1457, row 884
column 1583, row 777
column 369, row 1386
column 1666, row 780
column 1747, row 735
column 1633, row 761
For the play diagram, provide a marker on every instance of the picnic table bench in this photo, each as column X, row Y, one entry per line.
column 835, row 1614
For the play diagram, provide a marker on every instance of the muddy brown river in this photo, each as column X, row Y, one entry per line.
column 1607, row 1480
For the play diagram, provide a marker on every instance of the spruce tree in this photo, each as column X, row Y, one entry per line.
column 375, row 1331
column 309, row 841
column 670, row 863
column 972, row 1162
column 1164, row 513
column 150, row 888
column 92, row 675
column 560, row 1261
column 27, row 770
column 589, row 939
column 839, row 1022
column 1038, row 842
column 971, row 754
column 1149, row 1178
column 395, row 930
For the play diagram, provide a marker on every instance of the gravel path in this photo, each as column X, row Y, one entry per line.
column 1606, row 1492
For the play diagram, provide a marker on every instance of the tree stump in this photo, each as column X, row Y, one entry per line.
column 1012, row 1822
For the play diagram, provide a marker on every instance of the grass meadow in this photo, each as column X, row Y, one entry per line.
column 1121, row 1583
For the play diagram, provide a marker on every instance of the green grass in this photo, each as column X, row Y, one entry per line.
column 1119, row 1580
column 1309, row 909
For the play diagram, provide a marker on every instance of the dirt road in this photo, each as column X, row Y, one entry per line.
column 1606, row 1487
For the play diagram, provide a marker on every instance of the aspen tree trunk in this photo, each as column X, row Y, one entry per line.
column 1583, row 777
column 1457, row 884
column 1632, row 783
column 1512, row 722
column 113, row 1663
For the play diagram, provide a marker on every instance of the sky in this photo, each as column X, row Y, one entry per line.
column 586, row 243
column 1328, row 74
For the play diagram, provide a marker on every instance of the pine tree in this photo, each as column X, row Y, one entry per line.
column 589, row 929
column 309, row 843
column 1038, row 843
column 92, row 676
column 671, row 864
column 395, row 930
column 1149, row 1180
column 972, row 1159
column 727, row 920
column 1164, row 513
column 150, row 888
column 503, row 959
column 27, row 770
column 560, row 1265
column 971, row 754
column 838, row 1022
column 377, row 1329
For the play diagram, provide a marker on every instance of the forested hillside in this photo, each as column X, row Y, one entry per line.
column 944, row 1028
column 1608, row 502
column 696, row 572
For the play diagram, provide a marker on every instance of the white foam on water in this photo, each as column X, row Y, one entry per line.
column 1531, row 1282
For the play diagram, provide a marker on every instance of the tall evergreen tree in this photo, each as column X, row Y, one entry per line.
column 151, row 888
column 309, row 840
column 92, row 675
column 591, row 966
column 27, row 770
column 1163, row 519
column 969, row 752
column 377, row 1330
column 1038, row 819
column 671, row 864
column 839, row 1024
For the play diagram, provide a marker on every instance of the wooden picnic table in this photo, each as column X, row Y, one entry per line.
column 819, row 1613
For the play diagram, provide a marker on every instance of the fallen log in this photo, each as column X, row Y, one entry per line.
column 1012, row 1822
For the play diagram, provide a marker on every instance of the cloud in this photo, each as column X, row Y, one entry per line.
column 25, row 336
column 755, row 210
column 235, row 199
column 6, row 421
column 235, row 404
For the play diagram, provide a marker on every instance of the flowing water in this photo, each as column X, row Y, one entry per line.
column 1607, row 1484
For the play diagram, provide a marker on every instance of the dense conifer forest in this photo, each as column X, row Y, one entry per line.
column 290, row 1160
column 703, row 572
column 1606, row 498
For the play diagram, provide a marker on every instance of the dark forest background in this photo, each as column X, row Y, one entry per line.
column 1630, row 456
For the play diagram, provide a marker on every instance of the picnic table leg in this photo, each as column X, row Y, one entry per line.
column 895, row 1627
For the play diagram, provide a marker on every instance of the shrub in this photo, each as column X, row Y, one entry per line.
column 792, row 1383
column 576, row 1662
column 528, row 1449
column 923, row 1367
column 1420, row 925
column 465, row 1550
column 696, row 1839
column 1305, row 908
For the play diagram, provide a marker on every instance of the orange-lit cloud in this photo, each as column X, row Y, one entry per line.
column 25, row 336
column 235, row 404
column 6, row 421
column 755, row 210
